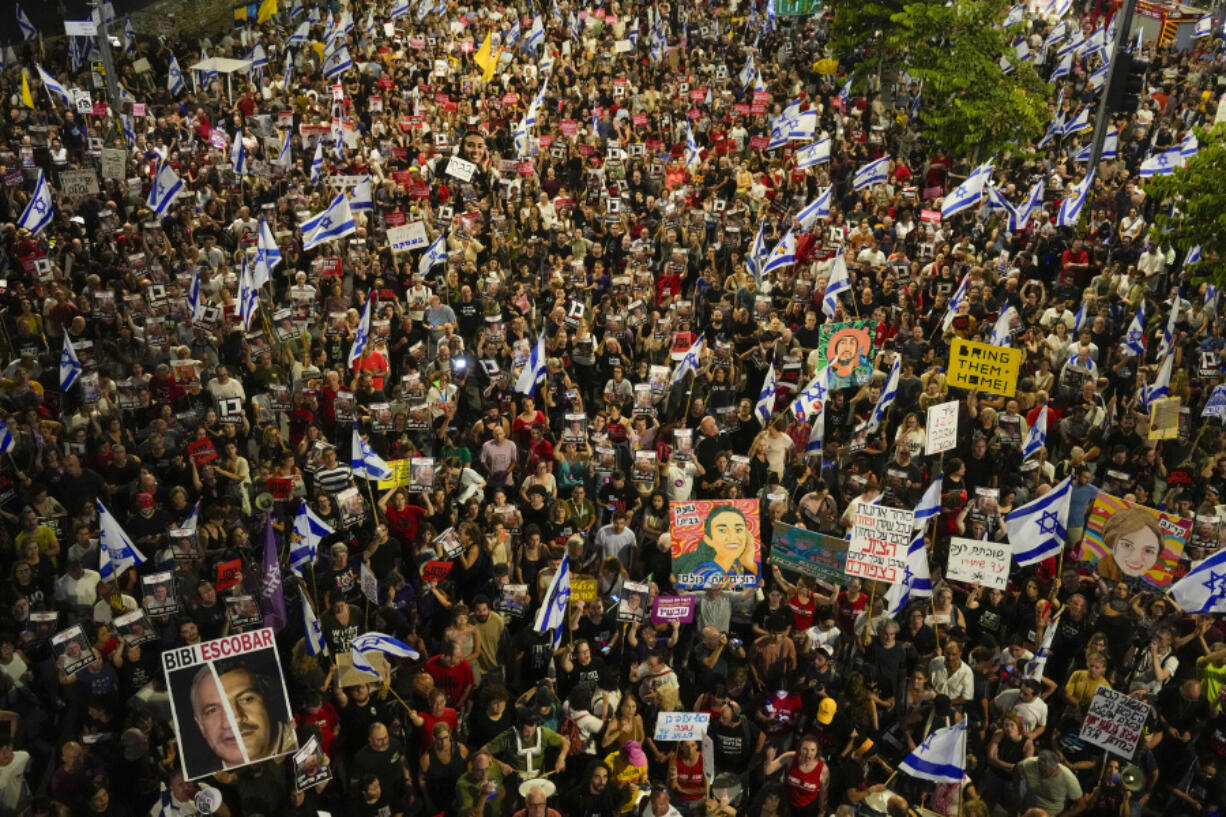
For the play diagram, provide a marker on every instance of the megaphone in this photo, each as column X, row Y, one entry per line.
column 1132, row 777
column 264, row 501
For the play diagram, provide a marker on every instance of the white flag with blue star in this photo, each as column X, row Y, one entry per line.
column 364, row 461
column 317, row 163
column 435, row 254
column 819, row 208
column 368, row 643
column 308, row 531
column 28, row 31
column 941, row 758
column 116, row 551
column 248, row 296
column 1036, row 437
column 1036, row 665
column 872, row 173
column 70, row 366
column 688, row 362
column 1160, row 386
column 1134, row 339
column 285, row 158
column 756, row 257
column 886, row 399
column 552, row 615
column 812, row 396
column 1037, row 530
column 7, row 443
column 362, row 336
column 916, row 580
column 174, row 77
column 1001, row 335
column 315, row 642
column 53, row 86
column 1204, row 26
column 782, row 255
column 332, row 224
column 954, row 303
column 1203, row 589
column 533, row 370
column 267, row 255
column 1162, row 163
column 968, row 194
column 766, row 397
column 1074, row 201
column 930, row 503
column 38, row 211
column 165, row 188
column 838, row 281
column 238, row 154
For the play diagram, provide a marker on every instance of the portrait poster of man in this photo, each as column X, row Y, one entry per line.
column 1133, row 543
column 229, row 703
column 716, row 543
column 848, row 347
column 72, row 649
column 135, row 628
column 634, row 603
column 311, row 766
column 160, row 598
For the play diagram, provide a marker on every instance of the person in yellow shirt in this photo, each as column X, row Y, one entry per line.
column 629, row 770
column 1211, row 672
column 33, row 531
column 1079, row 690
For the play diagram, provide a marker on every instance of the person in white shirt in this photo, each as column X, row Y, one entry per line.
column 952, row 676
column 182, row 799
column 223, row 386
column 78, row 587
column 1027, row 704
column 14, row 790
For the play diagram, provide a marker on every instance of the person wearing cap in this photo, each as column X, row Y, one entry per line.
column 529, row 750
column 628, row 767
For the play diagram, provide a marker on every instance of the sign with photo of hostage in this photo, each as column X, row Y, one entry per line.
column 311, row 766
column 244, row 613
column 229, row 703
column 1133, row 543
column 135, row 628
column 848, row 348
column 73, row 652
column 716, row 543
column 160, row 598
column 633, row 605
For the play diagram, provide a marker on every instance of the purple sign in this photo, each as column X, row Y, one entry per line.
column 673, row 608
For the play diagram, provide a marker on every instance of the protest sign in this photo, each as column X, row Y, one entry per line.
column 229, row 574
column 979, row 562
column 942, row 428
column 160, row 598
column 848, row 348
column 244, row 613
column 681, row 725
column 460, row 169
column 879, row 539
column 42, row 624
column 135, row 628
column 451, row 544
column 351, row 676
column 435, row 571
column 1114, row 722
column 983, row 367
column 1164, row 419
column 582, row 588
column 513, row 600
column 411, row 236
column 216, row 685
column 114, row 163
column 399, row 477
column 672, row 608
column 632, row 607
column 808, row 553
column 1127, row 541
column 73, row 652
column 78, row 182
column 311, row 765
column 716, row 543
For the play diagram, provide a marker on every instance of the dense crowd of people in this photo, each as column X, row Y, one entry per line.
column 622, row 225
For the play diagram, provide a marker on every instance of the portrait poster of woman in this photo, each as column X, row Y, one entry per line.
column 1132, row 542
column 716, row 543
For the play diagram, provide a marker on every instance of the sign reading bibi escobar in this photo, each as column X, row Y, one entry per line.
column 879, row 539
column 229, row 703
column 716, row 543
column 983, row 367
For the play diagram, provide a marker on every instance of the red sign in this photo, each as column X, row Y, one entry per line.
column 387, row 82
column 401, row 176
column 740, row 109
column 399, row 154
column 202, row 451
column 527, row 168
column 441, row 98
column 586, row 150
column 694, row 114
column 931, row 216
column 229, row 573
column 450, row 107
column 759, row 142
column 329, row 266
column 569, row 127
column 639, row 119
column 99, row 109
column 406, row 124
column 435, row 571
column 546, row 139
column 419, row 190
column 761, row 96
column 393, row 219
column 654, row 145
column 281, row 488
column 510, row 99
column 698, row 94
column 757, row 109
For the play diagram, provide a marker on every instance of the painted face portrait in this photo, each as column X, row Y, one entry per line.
column 728, row 536
column 1134, row 540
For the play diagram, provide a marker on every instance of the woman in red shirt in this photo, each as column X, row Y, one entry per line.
column 802, row 601
column 806, row 782
column 685, row 773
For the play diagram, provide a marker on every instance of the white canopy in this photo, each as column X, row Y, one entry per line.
column 222, row 65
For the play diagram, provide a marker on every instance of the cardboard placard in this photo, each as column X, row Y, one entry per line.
column 1114, row 722
column 411, row 236
column 809, row 553
column 716, row 543
column 983, row 367
column 672, row 608
column 681, row 725
column 1164, row 418
column 942, row 428
column 880, row 536
column 979, row 561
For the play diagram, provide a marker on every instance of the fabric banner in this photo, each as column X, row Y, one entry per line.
column 808, row 553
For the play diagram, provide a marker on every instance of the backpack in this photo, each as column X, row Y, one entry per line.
column 569, row 730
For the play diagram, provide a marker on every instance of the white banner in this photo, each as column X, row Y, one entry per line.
column 1114, row 722
column 976, row 561
column 411, row 236
column 681, row 725
column 879, row 539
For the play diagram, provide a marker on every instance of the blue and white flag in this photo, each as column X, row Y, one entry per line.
column 1189, row 146
column 756, row 257
column 1211, row 293
column 693, row 155
column 435, row 254
column 300, row 35
column 337, row 63
column 1168, row 331
column 813, row 154
column 1036, row 437
column 165, row 188
column 308, row 531
column 248, row 296
column 116, row 551
column 174, row 77
column 1215, row 406
column 632, row 33
column 1074, row 201
column 316, row 644
column 819, row 208
column 53, row 86
column 803, row 127
column 285, row 158
column 361, row 198
column 872, row 173
column 334, row 223
column 1001, row 336
column 1204, row 26
column 1016, row 16
column 688, row 362
column 534, row 369
column 1020, row 217
column 838, row 281
column 28, row 31
column 1160, row 386
column 996, row 202
column 782, row 255
column 195, row 304
column 1036, row 665
column 1063, row 69
column 747, row 73
column 378, row 643
column 1162, row 163
column 1098, row 79
column 765, row 406
column 1134, row 339
column 916, row 579
column 967, row 194
column 364, row 461
column 362, row 336
column 930, row 504
column 238, row 154
column 70, row 365
column 845, row 92
column 7, row 443
column 814, row 447
column 1053, row 130
column 536, row 34
column 317, row 163
column 1194, row 257
column 287, row 79
column 1039, row 528
column 956, row 301
column 940, row 758
column 38, row 211
column 1203, row 589
column 552, row 615
column 1077, row 124
column 886, row 399
column 812, row 396
column 129, row 35
column 207, row 75
column 259, row 59
column 267, row 255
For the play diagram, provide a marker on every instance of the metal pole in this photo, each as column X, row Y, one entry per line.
column 1123, row 20
column 108, row 62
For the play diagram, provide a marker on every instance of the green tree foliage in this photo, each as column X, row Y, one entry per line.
column 865, row 27
column 1199, row 196
column 970, row 106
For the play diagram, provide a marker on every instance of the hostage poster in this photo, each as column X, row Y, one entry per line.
column 716, row 543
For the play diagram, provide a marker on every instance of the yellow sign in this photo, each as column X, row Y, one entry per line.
column 1164, row 419
column 582, row 588
column 400, row 475
column 983, row 367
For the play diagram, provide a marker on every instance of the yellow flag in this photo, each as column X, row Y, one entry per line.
column 267, row 9
column 27, row 98
column 485, row 59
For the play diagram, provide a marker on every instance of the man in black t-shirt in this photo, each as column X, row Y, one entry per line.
column 737, row 741
column 533, row 653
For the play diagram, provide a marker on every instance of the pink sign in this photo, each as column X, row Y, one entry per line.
column 673, row 608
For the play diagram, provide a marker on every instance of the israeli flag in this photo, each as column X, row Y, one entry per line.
column 1000, row 332
column 1162, row 163
column 38, row 211
column 238, row 154
column 536, row 35
column 7, row 443
column 940, row 758
column 929, row 506
column 361, row 198
column 259, row 59
column 267, row 255
column 364, row 461
column 813, row 154
column 28, row 31
column 967, row 194
column 345, row 24
column 885, row 400
column 757, row 253
column 378, row 643
column 766, row 397
column 813, row 448
column 165, row 188
column 399, row 9
column 1053, row 130
column 1204, row 26
column 285, row 157
column 317, row 163
column 533, row 370
column 1070, row 208
column 819, row 208
column 300, row 35
column 783, row 254
column 1134, row 339
column 1036, row 665
column 1020, row 217
column 52, row 86
column 837, row 282
column 1039, row 528
column 693, row 156
column 552, row 615
column 308, row 531
column 315, row 642
column 747, row 73
column 803, row 127
column 512, row 36
column 1160, row 386
column 1080, row 318
column 337, row 63
column 813, row 395
column 997, row 203
column 288, row 78
column 435, row 254
column 1203, row 589
column 208, row 75
column 1064, row 68
column 194, row 305
column 117, row 553
column 129, row 35
column 248, row 296
column 174, row 77
column 845, row 92
column 1098, row 79
column 1077, row 124
column 332, row 224
column 632, row 33
column 688, row 362
column 1194, row 257
column 1036, row 437
column 362, row 336
column 1015, row 16
column 70, row 365
column 1189, row 146
column 954, row 303
column 1168, row 331
column 916, row 579
column 872, row 173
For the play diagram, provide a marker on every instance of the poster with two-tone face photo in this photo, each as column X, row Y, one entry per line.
column 229, row 703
